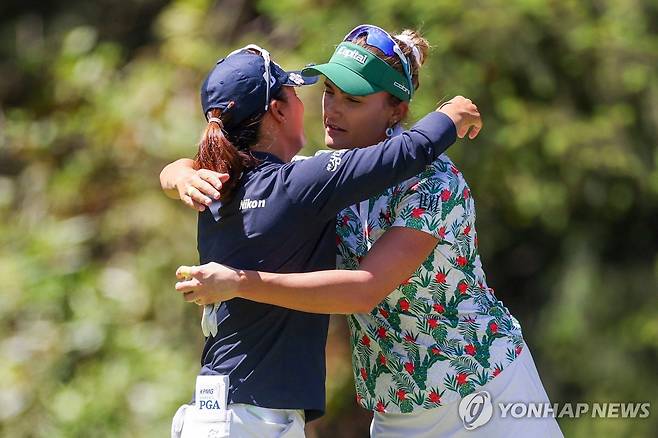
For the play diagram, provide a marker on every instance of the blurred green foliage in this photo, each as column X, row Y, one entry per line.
column 95, row 97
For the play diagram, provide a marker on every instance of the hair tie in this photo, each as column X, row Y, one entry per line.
column 216, row 120
column 410, row 43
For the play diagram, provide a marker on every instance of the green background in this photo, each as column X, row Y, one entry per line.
column 95, row 97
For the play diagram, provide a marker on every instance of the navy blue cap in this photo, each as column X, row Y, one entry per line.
column 236, row 85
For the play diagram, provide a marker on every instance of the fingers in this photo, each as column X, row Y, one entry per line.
column 188, row 272
column 477, row 124
column 474, row 132
column 184, row 272
column 187, row 285
column 200, row 191
column 472, row 129
column 193, row 297
column 206, row 187
column 216, row 179
column 474, row 124
column 192, row 204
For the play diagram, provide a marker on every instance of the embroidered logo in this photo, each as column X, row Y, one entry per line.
column 296, row 78
column 334, row 160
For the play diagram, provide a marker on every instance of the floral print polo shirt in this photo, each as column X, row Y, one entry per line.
column 442, row 333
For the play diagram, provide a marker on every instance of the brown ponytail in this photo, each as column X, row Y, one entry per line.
column 227, row 150
column 217, row 153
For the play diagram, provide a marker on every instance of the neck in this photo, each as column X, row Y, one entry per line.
column 272, row 143
column 276, row 150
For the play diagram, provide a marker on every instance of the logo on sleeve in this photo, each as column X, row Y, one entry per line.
column 334, row 160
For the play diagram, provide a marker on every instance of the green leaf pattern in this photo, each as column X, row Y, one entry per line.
column 442, row 333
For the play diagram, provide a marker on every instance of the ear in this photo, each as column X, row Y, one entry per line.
column 400, row 111
column 278, row 110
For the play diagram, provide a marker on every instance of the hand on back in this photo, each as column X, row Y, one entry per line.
column 464, row 114
column 197, row 189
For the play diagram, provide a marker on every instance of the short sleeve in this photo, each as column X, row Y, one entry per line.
column 423, row 203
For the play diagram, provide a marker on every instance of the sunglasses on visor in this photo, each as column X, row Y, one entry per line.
column 378, row 37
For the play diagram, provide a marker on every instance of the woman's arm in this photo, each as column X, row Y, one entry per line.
column 325, row 184
column 392, row 259
column 179, row 180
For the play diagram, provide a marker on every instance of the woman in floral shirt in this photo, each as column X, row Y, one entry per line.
column 441, row 334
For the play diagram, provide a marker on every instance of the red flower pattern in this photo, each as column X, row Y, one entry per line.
column 438, row 308
column 417, row 213
column 401, row 323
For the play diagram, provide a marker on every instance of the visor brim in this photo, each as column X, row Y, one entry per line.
column 347, row 80
column 297, row 79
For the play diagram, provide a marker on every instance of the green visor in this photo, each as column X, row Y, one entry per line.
column 359, row 72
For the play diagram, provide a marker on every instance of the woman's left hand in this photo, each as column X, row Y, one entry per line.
column 207, row 284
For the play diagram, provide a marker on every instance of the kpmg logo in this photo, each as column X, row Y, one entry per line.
column 208, row 404
column 476, row 410
column 352, row 54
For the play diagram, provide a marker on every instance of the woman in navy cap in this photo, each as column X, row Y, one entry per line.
column 263, row 366
column 432, row 345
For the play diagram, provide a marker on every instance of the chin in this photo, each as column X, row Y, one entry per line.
column 332, row 143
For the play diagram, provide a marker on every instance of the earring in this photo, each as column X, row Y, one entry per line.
column 389, row 132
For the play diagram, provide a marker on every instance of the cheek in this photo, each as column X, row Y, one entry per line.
column 301, row 118
column 298, row 112
column 371, row 123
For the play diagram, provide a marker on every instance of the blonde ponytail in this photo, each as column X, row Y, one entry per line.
column 416, row 49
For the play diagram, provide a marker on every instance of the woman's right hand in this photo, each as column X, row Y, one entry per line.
column 464, row 114
column 209, row 283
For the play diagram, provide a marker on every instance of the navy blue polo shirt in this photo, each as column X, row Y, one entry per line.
column 282, row 219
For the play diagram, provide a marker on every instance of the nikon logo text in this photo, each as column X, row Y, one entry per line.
column 246, row 204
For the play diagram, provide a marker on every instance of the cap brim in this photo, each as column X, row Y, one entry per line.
column 297, row 79
column 344, row 78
